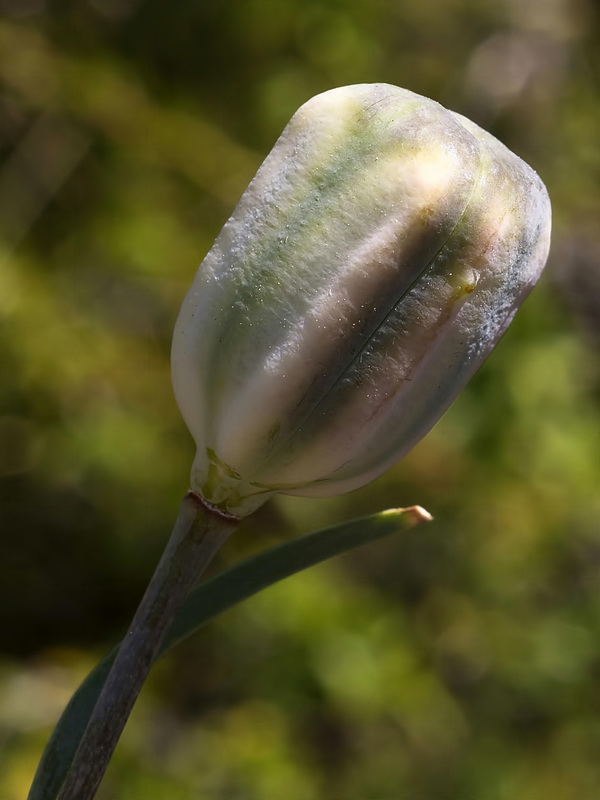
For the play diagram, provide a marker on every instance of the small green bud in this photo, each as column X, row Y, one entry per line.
column 370, row 266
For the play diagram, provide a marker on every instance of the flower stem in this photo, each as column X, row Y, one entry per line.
column 198, row 533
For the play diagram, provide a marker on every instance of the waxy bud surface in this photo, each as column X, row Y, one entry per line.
column 370, row 266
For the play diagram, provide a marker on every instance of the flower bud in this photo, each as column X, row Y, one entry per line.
column 370, row 266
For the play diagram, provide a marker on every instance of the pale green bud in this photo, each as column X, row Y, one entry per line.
column 370, row 266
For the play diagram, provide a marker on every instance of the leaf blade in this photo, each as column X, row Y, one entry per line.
column 206, row 601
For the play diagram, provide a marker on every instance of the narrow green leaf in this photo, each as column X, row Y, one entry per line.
column 205, row 602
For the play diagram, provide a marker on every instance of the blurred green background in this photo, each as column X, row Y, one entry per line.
column 459, row 661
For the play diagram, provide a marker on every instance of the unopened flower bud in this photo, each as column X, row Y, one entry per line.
column 370, row 266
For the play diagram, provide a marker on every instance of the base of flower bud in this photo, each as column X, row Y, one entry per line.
column 212, row 509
